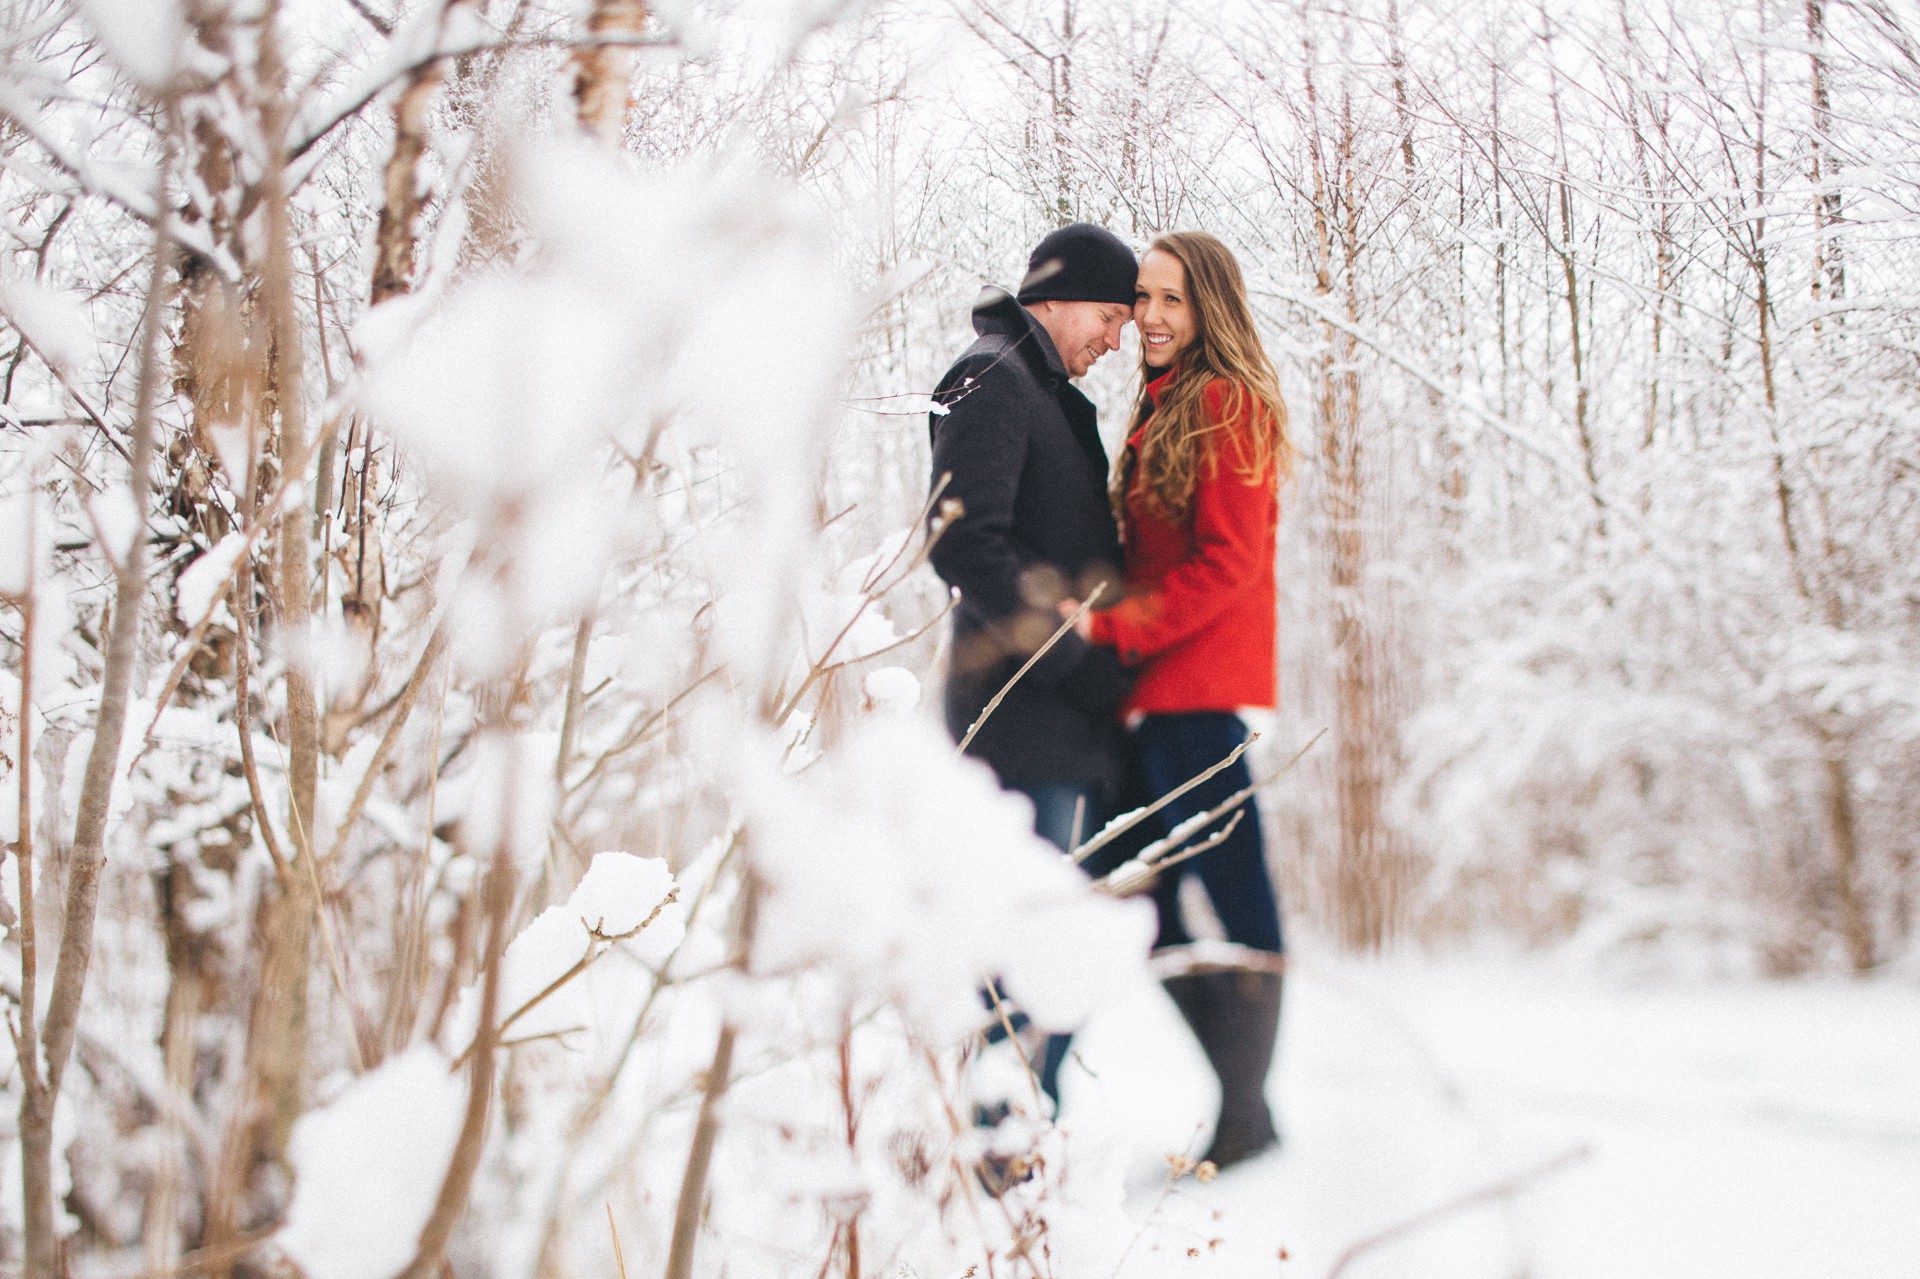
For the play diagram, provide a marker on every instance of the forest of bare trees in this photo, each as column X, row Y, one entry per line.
column 448, row 442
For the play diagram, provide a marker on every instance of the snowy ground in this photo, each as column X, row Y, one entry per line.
column 1748, row 1130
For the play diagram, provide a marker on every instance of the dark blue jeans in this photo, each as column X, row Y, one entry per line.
column 1169, row 750
column 1055, row 805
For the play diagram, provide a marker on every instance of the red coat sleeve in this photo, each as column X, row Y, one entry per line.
column 1230, row 548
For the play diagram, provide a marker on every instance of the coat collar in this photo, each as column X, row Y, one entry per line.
column 1159, row 386
column 997, row 311
column 1156, row 389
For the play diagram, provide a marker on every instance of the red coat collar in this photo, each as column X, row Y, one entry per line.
column 1155, row 389
column 1158, row 386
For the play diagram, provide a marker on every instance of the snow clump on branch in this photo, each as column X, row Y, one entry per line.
column 368, row 1166
column 704, row 300
column 906, row 868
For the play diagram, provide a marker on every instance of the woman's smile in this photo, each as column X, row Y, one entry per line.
column 1160, row 309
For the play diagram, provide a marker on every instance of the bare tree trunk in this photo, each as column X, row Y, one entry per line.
column 1757, row 253
column 1366, row 879
column 1060, row 80
column 293, row 602
column 270, row 1092
column 451, row 1204
column 1563, row 250
column 41, row 1091
column 1500, row 242
column 1397, row 69
column 1829, row 264
column 603, row 74
column 1658, row 197
column 693, row 1182
column 27, row 1046
column 393, row 239
column 1855, row 929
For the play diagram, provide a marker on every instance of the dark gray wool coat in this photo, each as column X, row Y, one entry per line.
column 1024, row 457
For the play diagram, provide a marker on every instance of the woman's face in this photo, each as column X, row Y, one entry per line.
column 1162, row 311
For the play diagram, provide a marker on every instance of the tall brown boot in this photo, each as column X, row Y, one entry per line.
column 1235, row 1014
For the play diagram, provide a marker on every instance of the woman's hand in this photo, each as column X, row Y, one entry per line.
column 1083, row 624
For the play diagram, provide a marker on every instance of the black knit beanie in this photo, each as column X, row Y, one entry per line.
column 1080, row 263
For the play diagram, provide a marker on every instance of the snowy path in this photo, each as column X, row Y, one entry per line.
column 1747, row 1130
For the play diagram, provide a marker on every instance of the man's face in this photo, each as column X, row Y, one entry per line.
column 1082, row 331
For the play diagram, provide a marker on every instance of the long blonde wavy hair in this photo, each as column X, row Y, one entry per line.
column 1179, row 442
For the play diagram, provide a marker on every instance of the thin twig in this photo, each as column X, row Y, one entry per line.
column 871, row 590
column 598, row 944
column 403, row 1011
column 1006, row 1027
column 223, row 1255
column 619, row 1257
column 243, row 720
column 1121, row 826
column 456, row 1188
column 1139, row 873
column 1086, row 606
column 706, row 1129
column 364, row 1043
column 570, row 715
column 640, row 731
column 93, row 414
column 198, row 632
column 1155, row 856
column 26, row 1041
column 409, row 695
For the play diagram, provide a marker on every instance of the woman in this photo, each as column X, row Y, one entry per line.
column 1197, row 490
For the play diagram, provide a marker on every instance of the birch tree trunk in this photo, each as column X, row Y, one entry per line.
column 603, row 73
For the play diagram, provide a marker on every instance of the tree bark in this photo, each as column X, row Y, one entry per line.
column 455, row 1190
column 693, row 1182
column 393, row 238
column 87, row 860
column 1855, row 929
column 274, row 1065
column 1366, row 889
column 603, row 73
column 1829, row 263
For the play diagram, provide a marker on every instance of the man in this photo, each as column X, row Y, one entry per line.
column 1022, row 454
column 1020, row 450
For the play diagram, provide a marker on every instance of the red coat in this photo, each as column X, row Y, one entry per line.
column 1199, row 618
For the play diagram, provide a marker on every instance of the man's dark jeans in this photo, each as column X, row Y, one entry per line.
column 1055, row 806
